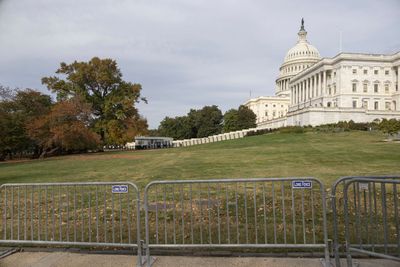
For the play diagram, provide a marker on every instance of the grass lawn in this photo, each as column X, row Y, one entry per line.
column 323, row 155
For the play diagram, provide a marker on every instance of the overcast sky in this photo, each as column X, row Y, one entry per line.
column 186, row 53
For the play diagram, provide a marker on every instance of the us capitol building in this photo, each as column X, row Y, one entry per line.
column 311, row 90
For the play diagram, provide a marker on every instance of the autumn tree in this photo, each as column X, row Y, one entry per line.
column 65, row 128
column 99, row 82
column 17, row 108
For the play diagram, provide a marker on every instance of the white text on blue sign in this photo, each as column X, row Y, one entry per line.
column 301, row 184
column 118, row 189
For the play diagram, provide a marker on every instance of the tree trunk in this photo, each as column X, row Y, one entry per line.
column 52, row 152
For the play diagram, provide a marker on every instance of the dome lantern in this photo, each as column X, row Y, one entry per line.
column 302, row 33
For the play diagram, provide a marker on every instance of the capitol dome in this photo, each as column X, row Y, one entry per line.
column 297, row 59
column 302, row 50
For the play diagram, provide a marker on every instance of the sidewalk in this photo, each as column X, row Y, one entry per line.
column 67, row 259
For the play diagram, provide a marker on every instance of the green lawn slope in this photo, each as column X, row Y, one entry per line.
column 323, row 155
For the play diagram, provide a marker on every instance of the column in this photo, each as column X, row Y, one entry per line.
column 298, row 93
column 314, row 83
column 311, row 87
column 398, row 79
column 291, row 95
column 306, row 92
column 301, row 91
column 320, row 83
column 324, row 83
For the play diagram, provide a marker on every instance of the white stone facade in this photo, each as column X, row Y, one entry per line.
column 268, row 108
column 349, row 86
column 358, row 87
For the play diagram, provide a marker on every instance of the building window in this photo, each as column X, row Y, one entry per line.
column 273, row 114
column 274, row 105
column 387, row 105
column 266, row 113
column 354, row 103
column 354, row 71
column 354, row 87
column 266, row 105
column 329, row 104
column 376, row 87
column 376, row 72
column 376, row 105
column 365, row 71
column 386, row 72
column 386, row 88
column 365, row 104
column 365, row 87
column 334, row 89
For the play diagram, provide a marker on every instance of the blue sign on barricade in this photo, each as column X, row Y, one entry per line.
column 301, row 184
column 119, row 189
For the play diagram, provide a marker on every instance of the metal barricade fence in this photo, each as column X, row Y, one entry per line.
column 97, row 214
column 371, row 213
column 338, row 210
column 236, row 213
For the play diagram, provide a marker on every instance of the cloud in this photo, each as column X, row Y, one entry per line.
column 186, row 54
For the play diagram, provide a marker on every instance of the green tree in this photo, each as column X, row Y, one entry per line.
column 197, row 123
column 177, row 128
column 390, row 127
column 99, row 82
column 231, row 120
column 207, row 121
column 246, row 118
column 238, row 119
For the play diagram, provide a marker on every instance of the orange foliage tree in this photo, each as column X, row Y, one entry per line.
column 65, row 128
